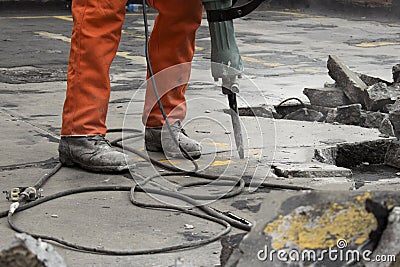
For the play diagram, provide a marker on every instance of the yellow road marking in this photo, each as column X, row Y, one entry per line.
column 393, row 25
column 221, row 163
column 63, row 38
column 54, row 36
column 198, row 48
column 306, row 70
column 376, row 44
column 265, row 63
column 294, row 14
column 127, row 55
column 28, row 17
column 173, row 162
column 136, row 35
column 67, row 18
column 223, row 145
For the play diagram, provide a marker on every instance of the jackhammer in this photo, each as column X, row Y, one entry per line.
column 226, row 63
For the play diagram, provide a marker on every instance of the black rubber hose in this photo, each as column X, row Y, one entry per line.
column 120, row 252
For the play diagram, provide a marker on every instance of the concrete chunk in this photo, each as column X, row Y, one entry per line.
column 371, row 119
column 389, row 241
column 305, row 114
column 386, row 127
column 326, row 97
column 396, row 73
column 27, row 251
column 311, row 170
column 394, row 117
column 349, row 155
column 370, row 80
column 353, row 87
column 349, row 114
column 392, row 157
column 377, row 96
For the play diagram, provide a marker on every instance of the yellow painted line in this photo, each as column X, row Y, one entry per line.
column 142, row 36
column 376, row 44
column 27, row 17
column 67, row 18
column 136, row 35
column 393, row 25
column 260, row 61
column 63, row 38
column 54, row 36
column 173, row 162
column 221, row 163
column 198, row 48
column 306, row 70
column 127, row 55
column 294, row 14
column 222, row 145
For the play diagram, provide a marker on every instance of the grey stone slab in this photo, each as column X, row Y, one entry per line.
column 27, row 251
column 377, row 96
column 352, row 85
column 386, row 127
column 311, row 170
column 326, row 96
column 392, row 157
column 394, row 117
column 372, row 119
column 370, row 80
column 348, row 114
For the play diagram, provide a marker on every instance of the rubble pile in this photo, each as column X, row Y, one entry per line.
column 358, row 99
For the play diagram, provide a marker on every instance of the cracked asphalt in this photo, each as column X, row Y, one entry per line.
column 283, row 52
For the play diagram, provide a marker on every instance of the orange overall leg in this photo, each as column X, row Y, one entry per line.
column 95, row 38
column 171, row 48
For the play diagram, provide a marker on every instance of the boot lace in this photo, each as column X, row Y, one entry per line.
column 99, row 140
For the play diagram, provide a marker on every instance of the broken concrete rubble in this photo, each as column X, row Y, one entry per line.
column 350, row 155
column 305, row 114
column 392, row 157
column 27, row 251
column 353, row 87
column 371, row 119
column 380, row 98
column 394, row 117
column 377, row 96
column 386, row 127
column 396, row 73
column 311, row 170
column 349, row 114
column 316, row 221
column 326, row 96
column 369, row 80
column 389, row 242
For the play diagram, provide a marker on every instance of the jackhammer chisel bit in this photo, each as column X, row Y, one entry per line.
column 230, row 88
column 226, row 63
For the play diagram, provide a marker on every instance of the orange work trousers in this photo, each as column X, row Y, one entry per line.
column 95, row 38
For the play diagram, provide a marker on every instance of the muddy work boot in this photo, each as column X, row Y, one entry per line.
column 160, row 139
column 93, row 153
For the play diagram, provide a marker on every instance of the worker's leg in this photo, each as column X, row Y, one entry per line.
column 171, row 48
column 95, row 38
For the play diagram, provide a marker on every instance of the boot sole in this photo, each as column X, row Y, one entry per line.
column 70, row 163
column 153, row 148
